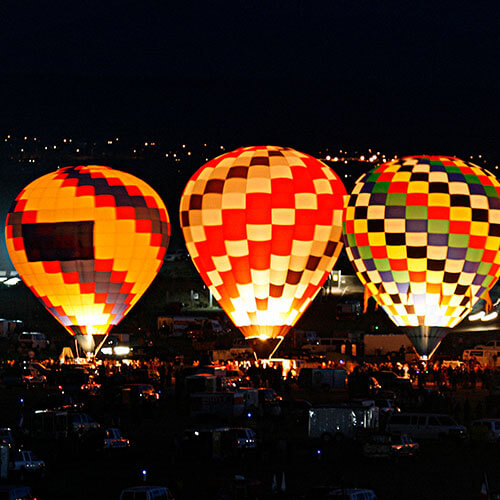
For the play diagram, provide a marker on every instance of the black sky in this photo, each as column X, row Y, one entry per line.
column 410, row 76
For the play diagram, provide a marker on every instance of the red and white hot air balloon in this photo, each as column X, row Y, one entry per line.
column 263, row 226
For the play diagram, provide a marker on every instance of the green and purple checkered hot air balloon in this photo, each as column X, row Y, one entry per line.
column 423, row 234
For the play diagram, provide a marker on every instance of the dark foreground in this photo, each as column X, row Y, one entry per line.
column 443, row 470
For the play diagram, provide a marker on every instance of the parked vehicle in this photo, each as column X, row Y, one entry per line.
column 250, row 398
column 146, row 493
column 486, row 429
column 244, row 438
column 22, row 462
column 392, row 382
column 113, row 439
column 207, row 443
column 10, row 492
column 387, row 406
column 221, row 404
column 485, row 356
column 234, row 379
column 352, row 494
column 59, row 424
column 326, row 493
column 139, row 393
column 6, row 437
column 33, row 340
column 322, row 378
column 425, row 426
column 340, row 422
column 390, row 446
column 33, row 378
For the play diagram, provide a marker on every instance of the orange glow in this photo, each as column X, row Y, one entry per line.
column 263, row 227
column 88, row 241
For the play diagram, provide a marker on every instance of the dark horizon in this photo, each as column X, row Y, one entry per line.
column 304, row 114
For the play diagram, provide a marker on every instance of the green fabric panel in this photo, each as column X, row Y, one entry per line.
column 491, row 191
column 365, row 253
column 396, row 199
column 458, row 240
column 438, row 226
column 381, row 187
column 382, row 264
column 401, row 276
column 474, row 254
column 472, row 179
column 419, row 212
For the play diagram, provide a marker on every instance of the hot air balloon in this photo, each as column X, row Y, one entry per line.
column 87, row 241
column 263, row 226
column 423, row 234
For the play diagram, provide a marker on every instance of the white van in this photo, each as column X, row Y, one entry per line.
column 33, row 340
column 352, row 494
column 425, row 426
column 485, row 356
column 146, row 493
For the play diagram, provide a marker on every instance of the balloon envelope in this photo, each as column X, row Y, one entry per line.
column 263, row 227
column 423, row 234
column 88, row 241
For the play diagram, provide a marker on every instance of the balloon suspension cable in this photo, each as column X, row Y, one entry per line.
column 96, row 352
column 76, row 347
column 276, row 348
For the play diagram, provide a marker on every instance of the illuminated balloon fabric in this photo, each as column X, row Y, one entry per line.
column 423, row 234
column 263, row 226
column 88, row 241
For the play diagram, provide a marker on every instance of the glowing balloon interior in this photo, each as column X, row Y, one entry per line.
column 88, row 241
column 423, row 234
column 263, row 226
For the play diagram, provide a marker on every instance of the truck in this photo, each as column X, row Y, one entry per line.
column 485, row 356
column 250, row 398
column 336, row 423
column 59, row 424
column 18, row 463
column 322, row 378
column 113, row 439
column 221, row 404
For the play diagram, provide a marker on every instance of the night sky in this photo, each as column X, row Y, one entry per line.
column 417, row 77
column 406, row 77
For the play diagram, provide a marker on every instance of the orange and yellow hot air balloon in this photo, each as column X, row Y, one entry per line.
column 88, row 241
column 263, row 227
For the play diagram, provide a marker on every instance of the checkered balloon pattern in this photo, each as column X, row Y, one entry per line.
column 87, row 241
column 423, row 234
column 263, row 226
